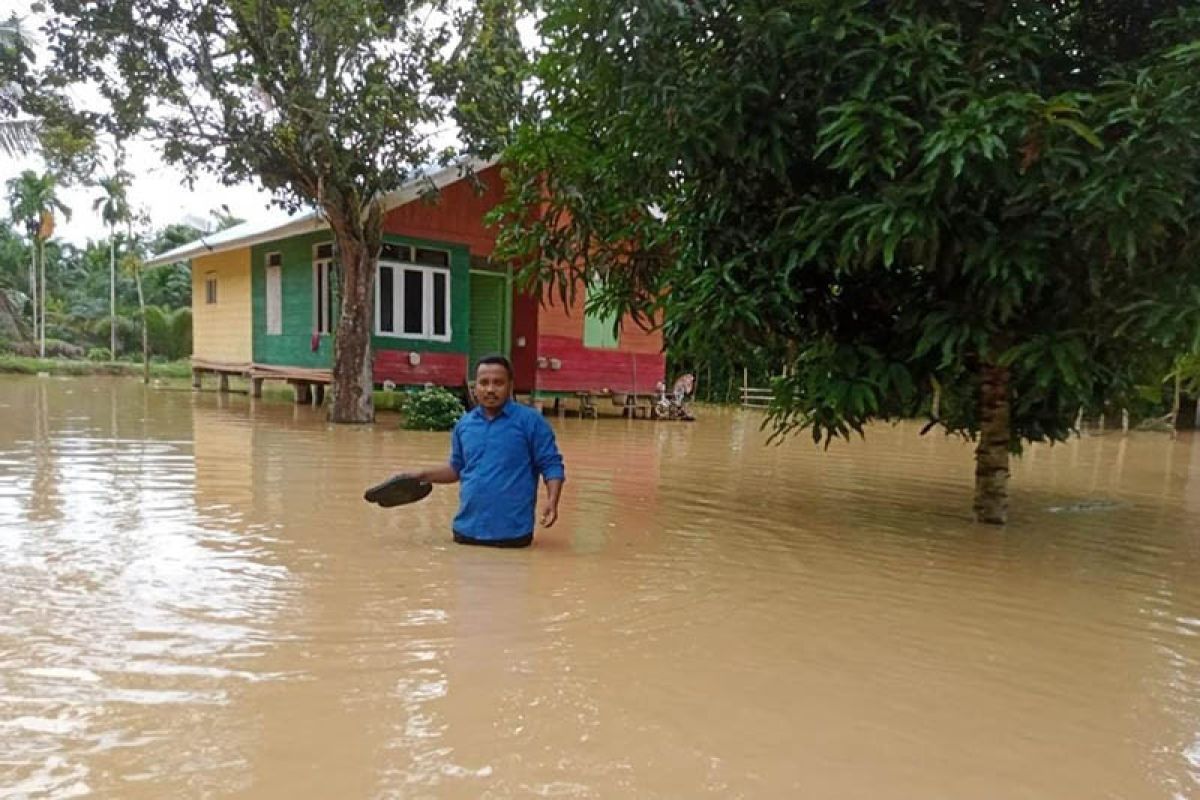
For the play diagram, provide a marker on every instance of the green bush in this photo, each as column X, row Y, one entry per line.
column 431, row 409
column 99, row 354
column 386, row 400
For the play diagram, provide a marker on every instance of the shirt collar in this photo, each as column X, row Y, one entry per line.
column 503, row 412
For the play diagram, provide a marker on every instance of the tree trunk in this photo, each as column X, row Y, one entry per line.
column 1177, row 398
column 991, row 454
column 137, row 276
column 42, row 286
column 358, row 242
column 33, row 292
column 112, row 293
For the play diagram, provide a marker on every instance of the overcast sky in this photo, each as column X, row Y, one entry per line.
column 157, row 188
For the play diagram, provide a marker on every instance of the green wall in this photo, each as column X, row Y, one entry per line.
column 293, row 346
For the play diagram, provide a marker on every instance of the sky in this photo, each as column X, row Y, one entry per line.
column 158, row 189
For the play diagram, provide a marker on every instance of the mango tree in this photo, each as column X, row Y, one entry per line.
column 980, row 211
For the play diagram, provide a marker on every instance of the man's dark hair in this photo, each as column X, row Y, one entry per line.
column 496, row 358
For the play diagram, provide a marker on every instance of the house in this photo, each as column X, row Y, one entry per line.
column 264, row 302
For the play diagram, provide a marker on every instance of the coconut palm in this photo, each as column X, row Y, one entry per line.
column 114, row 209
column 33, row 200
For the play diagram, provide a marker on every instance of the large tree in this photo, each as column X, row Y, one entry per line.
column 327, row 103
column 979, row 210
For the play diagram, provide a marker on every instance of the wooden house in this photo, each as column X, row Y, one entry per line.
column 264, row 302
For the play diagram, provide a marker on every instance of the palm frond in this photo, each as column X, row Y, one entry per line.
column 18, row 137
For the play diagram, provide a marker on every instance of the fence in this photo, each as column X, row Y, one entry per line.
column 755, row 396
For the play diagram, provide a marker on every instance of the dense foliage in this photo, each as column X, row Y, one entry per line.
column 431, row 409
column 982, row 210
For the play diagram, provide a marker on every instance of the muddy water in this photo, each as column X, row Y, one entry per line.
column 195, row 602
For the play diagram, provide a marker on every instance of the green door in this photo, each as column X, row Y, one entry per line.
column 489, row 317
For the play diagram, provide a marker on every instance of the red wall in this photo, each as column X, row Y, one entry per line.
column 442, row 369
column 637, row 364
column 593, row 369
column 524, row 325
column 456, row 215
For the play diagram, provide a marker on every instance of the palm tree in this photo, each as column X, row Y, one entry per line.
column 131, row 263
column 17, row 136
column 34, row 200
column 114, row 209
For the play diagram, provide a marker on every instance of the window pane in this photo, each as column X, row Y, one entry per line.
column 329, row 278
column 321, row 324
column 396, row 252
column 324, row 251
column 432, row 258
column 439, row 304
column 414, row 301
column 387, row 300
column 274, row 300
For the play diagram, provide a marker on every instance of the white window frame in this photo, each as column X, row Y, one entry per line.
column 322, row 268
column 398, row 269
column 274, row 310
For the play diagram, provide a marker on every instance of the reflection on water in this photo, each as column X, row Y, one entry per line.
column 197, row 603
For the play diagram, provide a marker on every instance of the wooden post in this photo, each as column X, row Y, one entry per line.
column 302, row 393
column 318, row 394
column 223, row 386
column 256, row 385
column 745, row 384
column 1124, row 420
column 196, row 382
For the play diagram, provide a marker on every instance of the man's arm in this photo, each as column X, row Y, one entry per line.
column 443, row 474
column 549, row 463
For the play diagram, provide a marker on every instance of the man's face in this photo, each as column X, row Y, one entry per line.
column 491, row 386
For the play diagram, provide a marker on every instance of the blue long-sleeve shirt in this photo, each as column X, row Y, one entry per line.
column 498, row 462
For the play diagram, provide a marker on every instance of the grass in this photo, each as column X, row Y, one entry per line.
column 22, row 365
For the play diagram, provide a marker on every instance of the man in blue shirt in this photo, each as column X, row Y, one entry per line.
column 498, row 450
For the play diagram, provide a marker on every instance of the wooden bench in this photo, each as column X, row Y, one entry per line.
column 633, row 405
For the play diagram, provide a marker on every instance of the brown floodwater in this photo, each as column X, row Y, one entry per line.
column 196, row 602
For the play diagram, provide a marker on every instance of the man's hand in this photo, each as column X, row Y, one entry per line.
column 550, row 512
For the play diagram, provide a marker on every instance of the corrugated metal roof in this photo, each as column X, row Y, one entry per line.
column 278, row 226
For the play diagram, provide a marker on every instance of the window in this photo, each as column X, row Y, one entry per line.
column 599, row 330
column 274, row 294
column 210, row 289
column 412, row 293
column 323, row 278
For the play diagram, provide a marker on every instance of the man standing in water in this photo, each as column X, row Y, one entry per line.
column 497, row 451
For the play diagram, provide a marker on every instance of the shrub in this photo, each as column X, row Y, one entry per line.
column 55, row 348
column 431, row 409
column 99, row 354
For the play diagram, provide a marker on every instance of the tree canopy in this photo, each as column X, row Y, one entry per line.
column 989, row 203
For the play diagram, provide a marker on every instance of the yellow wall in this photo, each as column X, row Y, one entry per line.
column 221, row 331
